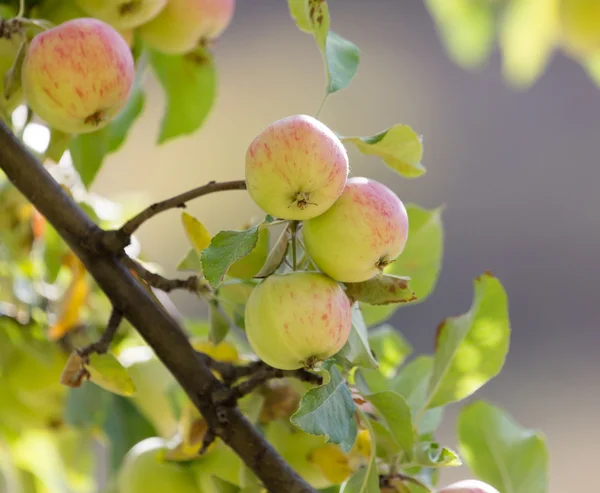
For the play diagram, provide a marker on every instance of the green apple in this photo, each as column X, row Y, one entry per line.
column 123, row 14
column 144, row 470
column 8, row 53
column 222, row 462
column 580, row 25
column 78, row 75
column 297, row 319
column 296, row 168
column 469, row 486
column 183, row 24
column 362, row 233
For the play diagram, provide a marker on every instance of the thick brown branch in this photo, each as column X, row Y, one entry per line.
column 154, row 324
column 118, row 239
column 192, row 284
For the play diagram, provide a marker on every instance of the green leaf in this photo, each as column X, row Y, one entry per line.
column 412, row 382
column 421, row 260
column 396, row 415
column 384, row 441
column 390, row 347
column 219, row 323
column 329, row 410
column 191, row 261
column 432, row 454
column 400, row 147
column 501, row 452
column 189, row 82
column 106, row 371
column 356, row 351
column 196, row 232
column 276, row 255
column 87, row 406
column 225, row 248
column 223, row 486
column 299, row 12
column 471, row 348
column 342, row 58
column 370, row 381
column 381, row 290
column 366, row 479
column 467, row 29
column 59, row 143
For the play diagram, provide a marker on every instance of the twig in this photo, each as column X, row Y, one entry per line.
column 102, row 344
column 192, row 283
column 207, row 441
column 158, row 329
column 116, row 240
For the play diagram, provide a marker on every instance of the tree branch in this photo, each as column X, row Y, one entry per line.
column 101, row 345
column 154, row 324
column 116, row 240
column 192, row 283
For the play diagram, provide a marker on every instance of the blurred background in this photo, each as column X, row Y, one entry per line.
column 518, row 171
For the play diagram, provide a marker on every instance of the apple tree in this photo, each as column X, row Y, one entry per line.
column 295, row 381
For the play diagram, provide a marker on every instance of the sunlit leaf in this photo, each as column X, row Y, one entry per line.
column 195, row 231
column 381, row 290
column 356, row 351
column 396, row 415
column 106, row 371
column 390, row 348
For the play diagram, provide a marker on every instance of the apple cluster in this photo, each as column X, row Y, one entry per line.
column 352, row 228
column 78, row 75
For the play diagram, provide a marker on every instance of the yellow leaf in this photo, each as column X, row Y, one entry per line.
column 73, row 300
column 196, row 232
column 106, row 372
column 333, row 462
column 224, row 351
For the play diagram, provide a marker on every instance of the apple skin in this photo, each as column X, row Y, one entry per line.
column 469, row 486
column 298, row 319
column 123, row 14
column 363, row 232
column 183, row 24
column 144, row 470
column 296, row 168
column 580, row 26
column 78, row 76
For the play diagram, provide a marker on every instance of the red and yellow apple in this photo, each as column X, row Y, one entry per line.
column 469, row 486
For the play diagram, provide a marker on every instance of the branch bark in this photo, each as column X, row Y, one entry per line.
column 154, row 324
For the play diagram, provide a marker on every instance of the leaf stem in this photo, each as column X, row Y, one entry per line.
column 21, row 8
column 322, row 105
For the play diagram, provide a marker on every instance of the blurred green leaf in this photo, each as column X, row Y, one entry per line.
column 421, row 260
column 501, row 452
column 106, row 371
column 370, row 381
column 381, row 290
column 223, row 486
column 366, row 479
column 356, row 351
column 87, row 406
column 189, row 82
column 328, row 410
column 471, row 348
column 225, row 248
column 396, row 415
column 390, row 348
column 432, row 454
column 219, row 323
column 400, row 147
column 191, row 261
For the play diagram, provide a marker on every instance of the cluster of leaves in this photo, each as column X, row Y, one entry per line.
column 371, row 388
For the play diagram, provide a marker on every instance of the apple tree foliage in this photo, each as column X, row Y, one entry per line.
column 370, row 425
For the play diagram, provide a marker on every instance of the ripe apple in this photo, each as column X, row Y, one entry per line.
column 469, row 486
column 363, row 232
column 183, row 24
column 297, row 319
column 8, row 53
column 144, row 470
column 296, row 168
column 580, row 25
column 123, row 14
column 77, row 76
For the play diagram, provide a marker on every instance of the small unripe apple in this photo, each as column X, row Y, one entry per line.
column 469, row 486
column 296, row 168
column 123, row 14
column 580, row 26
column 8, row 53
column 296, row 320
column 77, row 76
column 364, row 231
column 183, row 24
column 144, row 470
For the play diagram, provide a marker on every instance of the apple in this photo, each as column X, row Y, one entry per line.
column 363, row 232
column 469, row 486
column 123, row 14
column 8, row 53
column 184, row 24
column 297, row 319
column 580, row 25
column 221, row 462
column 145, row 470
column 296, row 168
column 77, row 76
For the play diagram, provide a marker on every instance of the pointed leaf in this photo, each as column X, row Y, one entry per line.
column 366, row 479
column 432, row 454
column 501, row 452
column 190, row 262
column 400, row 147
column 356, row 351
column 224, row 249
column 189, row 82
column 196, row 232
column 329, row 410
column 342, row 58
column 299, row 12
column 276, row 255
column 396, row 415
column 106, row 372
column 219, row 323
column 390, row 348
column 381, row 290
column 471, row 348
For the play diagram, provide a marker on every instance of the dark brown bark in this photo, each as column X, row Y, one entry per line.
column 154, row 324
